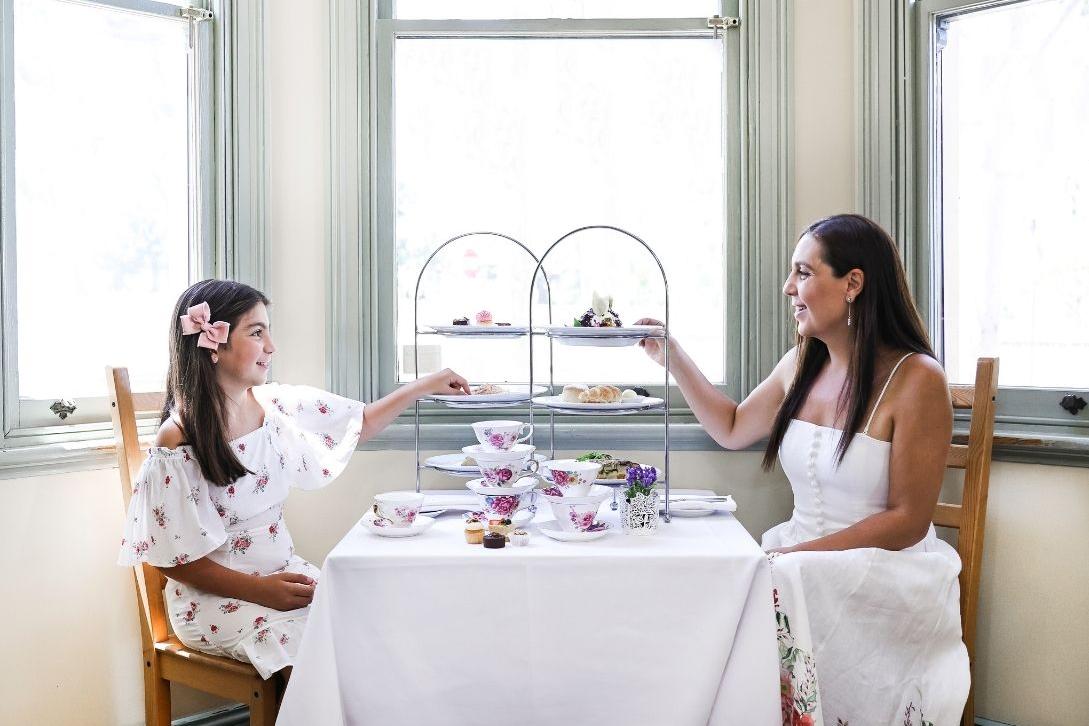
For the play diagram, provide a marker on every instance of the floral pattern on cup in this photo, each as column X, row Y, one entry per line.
column 502, row 506
column 501, row 435
column 499, row 476
column 582, row 521
column 396, row 509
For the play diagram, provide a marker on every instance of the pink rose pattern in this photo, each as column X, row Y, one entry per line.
column 582, row 522
column 503, row 506
column 497, row 477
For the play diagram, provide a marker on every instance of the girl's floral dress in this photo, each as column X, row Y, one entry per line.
column 176, row 517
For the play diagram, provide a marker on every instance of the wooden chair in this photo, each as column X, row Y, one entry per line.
column 970, row 515
column 166, row 659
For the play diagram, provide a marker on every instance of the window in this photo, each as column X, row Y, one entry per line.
column 532, row 128
column 107, row 198
column 1008, row 191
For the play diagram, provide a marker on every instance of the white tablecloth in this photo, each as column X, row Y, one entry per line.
column 668, row 630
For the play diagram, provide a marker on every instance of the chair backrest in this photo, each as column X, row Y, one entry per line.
column 969, row 516
column 123, row 407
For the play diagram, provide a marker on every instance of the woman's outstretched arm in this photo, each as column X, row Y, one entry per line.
column 733, row 425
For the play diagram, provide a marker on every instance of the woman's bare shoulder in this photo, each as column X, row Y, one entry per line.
column 923, row 380
column 170, row 435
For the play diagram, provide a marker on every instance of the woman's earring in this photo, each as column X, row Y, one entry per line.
column 215, row 358
column 849, row 300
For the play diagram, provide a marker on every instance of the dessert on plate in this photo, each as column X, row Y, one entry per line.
column 601, row 394
column 474, row 531
column 484, row 317
column 486, row 389
column 600, row 314
column 611, row 467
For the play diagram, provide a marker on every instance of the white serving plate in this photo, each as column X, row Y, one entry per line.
column 601, row 337
column 551, row 528
column 514, row 394
column 635, row 404
column 419, row 526
column 482, row 331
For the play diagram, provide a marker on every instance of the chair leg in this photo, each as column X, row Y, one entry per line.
column 156, row 692
column 263, row 703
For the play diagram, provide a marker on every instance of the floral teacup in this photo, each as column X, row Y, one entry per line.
column 500, row 467
column 502, row 435
column 397, row 509
column 503, row 502
column 572, row 478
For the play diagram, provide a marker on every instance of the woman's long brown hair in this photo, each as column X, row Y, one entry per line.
column 883, row 315
column 192, row 390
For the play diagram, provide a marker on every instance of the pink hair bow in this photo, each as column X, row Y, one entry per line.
column 196, row 321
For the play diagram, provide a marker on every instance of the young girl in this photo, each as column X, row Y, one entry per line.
column 207, row 505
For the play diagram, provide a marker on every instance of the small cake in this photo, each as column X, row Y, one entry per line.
column 628, row 395
column 487, row 389
column 571, row 392
column 600, row 314
column 461, row 321
column 503, row 325
column 500, row 526
column 474, row 531
column 484, row 318
column 601, row 394
column 519, row 538
column 494, row 541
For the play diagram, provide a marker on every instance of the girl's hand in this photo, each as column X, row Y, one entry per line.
column 653, row 346
column 443, row 383
column 285, row 591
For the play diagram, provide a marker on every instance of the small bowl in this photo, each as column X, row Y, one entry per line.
column 503, row 502
column 573, row 478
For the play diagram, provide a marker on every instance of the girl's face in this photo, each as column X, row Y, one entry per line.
column 818, row 296
column 244, row 361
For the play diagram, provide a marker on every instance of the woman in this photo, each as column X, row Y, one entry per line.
column 858, row 413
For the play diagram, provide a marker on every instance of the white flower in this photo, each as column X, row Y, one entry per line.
column 601, row 304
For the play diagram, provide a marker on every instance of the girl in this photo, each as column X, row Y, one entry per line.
column 207, row 505
column 859, row 416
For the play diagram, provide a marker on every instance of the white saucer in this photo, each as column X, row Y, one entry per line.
column 552, row 529
column 421, row 525
column 689, row 509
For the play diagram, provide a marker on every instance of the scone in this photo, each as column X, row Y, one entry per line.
column 601, row 394
column 571, row 392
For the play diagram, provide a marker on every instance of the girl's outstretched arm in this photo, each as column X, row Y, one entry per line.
column 378, row 415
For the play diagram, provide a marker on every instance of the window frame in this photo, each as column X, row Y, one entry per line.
column 899, row 186
column 361, row 337
column 227, row 211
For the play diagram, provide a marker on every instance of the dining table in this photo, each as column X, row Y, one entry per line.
column 672, row 629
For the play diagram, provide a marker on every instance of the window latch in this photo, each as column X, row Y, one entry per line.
column 194, row 16
column 718, row 23
column 1073, row 404
column 63, row 407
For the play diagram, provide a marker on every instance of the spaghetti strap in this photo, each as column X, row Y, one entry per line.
column 866, row 431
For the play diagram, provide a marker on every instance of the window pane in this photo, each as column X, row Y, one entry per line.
column 1015, row 192
column 533, row 138
column 485, row 9
column 101, row 193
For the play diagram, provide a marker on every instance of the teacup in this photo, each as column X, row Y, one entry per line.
column 504, row 502
column 500, row 467
column 576, row 514
column 573, row 478
column 397, row 509
column 502, row 435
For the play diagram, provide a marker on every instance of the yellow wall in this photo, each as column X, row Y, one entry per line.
column 71, row 630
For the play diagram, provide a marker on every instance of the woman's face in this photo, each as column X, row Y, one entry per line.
column 244, row 361
column 818, row 296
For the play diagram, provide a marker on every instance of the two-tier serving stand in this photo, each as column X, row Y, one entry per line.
column 579, row 336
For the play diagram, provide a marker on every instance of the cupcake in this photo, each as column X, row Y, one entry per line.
column 494, row 541
column 461, row 321
column 500, row 526
column 474, row 531
column 519, row 538
column 484, row 318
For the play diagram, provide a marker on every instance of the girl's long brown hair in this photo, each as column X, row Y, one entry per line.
column 192, row 390
column 883, row 315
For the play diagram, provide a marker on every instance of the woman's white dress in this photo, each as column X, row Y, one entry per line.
column 866, row 636
column 177, row 516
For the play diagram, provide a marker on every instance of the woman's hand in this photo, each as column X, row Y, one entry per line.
column 653, row 346
column 443, row 383
column 284, row 591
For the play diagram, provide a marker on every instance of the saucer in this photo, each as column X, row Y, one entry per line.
column 552, row 529
column 689, row 508
column 421, row 525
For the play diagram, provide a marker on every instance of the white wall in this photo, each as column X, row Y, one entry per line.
column 72, row 640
